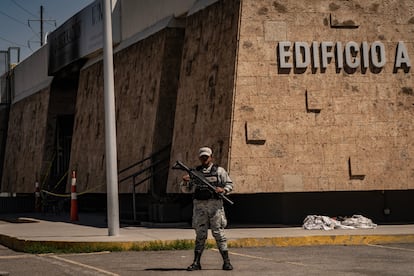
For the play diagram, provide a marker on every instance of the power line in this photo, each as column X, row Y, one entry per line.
column 14, row 43
column 32, row 14
column 17, row 4
column 18, row 21
column 15, row 19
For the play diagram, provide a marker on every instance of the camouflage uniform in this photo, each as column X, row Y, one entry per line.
column 208, row 212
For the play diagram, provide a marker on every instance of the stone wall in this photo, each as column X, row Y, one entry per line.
column 4, row 121
column 205, row 95
column 322, row 129
column 145, row 93
column 23, row 163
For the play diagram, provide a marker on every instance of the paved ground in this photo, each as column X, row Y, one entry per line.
column 267, row 250
column 376, row 260
column 20, row 231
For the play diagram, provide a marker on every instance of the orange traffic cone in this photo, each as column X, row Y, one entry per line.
column 74, row 200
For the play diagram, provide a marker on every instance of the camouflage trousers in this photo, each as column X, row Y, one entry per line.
column 209, row 214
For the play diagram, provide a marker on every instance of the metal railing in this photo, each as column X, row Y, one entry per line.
column 145, row 170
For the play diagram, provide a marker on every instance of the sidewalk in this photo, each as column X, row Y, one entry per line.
column 23, row 232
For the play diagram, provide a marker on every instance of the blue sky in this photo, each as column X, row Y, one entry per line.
column 16, row 14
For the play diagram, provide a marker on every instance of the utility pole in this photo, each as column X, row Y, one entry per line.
column 41, row 21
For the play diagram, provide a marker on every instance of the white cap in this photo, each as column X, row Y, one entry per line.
column 205, row 151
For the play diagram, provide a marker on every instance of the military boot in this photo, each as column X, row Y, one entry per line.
column 226, row 260
column 196, row 263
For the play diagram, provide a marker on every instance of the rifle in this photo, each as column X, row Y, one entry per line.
column 200, row 177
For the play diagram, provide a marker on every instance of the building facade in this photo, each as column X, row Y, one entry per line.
column 308, row 105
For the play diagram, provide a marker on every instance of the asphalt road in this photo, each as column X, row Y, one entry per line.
column 396, row 259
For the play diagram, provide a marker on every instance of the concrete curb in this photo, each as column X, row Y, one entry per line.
column 31, row 246
column 322, row 240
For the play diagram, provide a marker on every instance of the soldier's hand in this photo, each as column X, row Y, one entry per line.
column 186, row 177
column 219, row 190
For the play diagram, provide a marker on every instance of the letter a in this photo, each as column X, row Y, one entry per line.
column 402, row 56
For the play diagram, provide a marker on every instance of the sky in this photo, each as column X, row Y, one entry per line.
column 20, row 22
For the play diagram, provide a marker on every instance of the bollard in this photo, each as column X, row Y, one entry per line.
column 74, row 200
column 37, row 197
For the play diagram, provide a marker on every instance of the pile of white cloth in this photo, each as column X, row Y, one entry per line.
column 315, row 222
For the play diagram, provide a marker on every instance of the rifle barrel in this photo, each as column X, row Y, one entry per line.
column 180, row 166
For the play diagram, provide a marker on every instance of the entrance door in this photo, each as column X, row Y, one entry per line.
column 63, row 141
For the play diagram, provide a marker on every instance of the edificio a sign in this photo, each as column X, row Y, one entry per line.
column 351, row 55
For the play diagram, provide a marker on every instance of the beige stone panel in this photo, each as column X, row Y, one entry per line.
column 246, row 81
column 275, row 31
column 343, row 183
column 298, row 85
column 323, row 33
column 410, row 171
column 315, row 137
column 277, row 150
column 269, row 51
column 269, row 93
column 254, row 112
column 273, row 86
column 293, row 102
column 318, row 6
column 310, row 184
column 255, row 133
column 247, row 184
column 396, row 34
column 337, row 155
column 340, row 135
column 366, row 106
column 346, row 19
column 272, row 69
column 251, row 28
column 398, row 179
column 308, row 154
column 278, row 115
column 358, row 165
column 345, row 105
column 244, row 113
column 248, row 69
column 371, row 183
column 275, row 165
column 325, row 184
column 265, row 10
column 272, row 149
column 355, row 90
column 302, row 119
column 359, row 185
column 253, row 49
column 374, row 32
column 307, row 19
column 307, row 34
column 292, row 182
column 403, row 142
column 405, row 13
column 271, row 186
column 325, row 118
column 317, row 99
column 243, row 95
column 365, row 90
column 289, row 128
column 384, row 110
column 312, row 169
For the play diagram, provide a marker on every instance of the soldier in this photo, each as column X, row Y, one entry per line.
column 208, row 208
